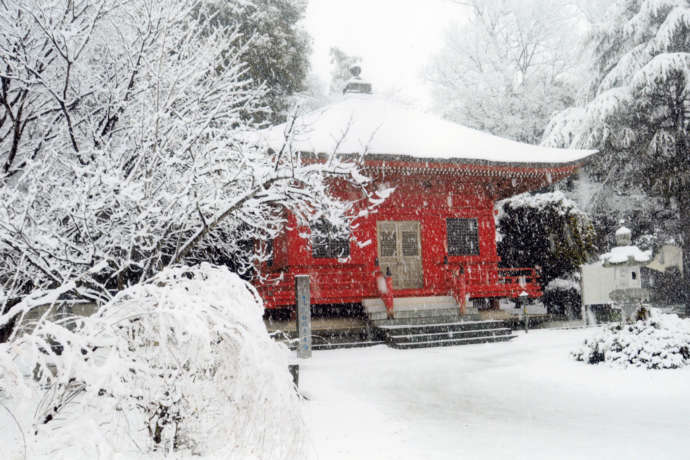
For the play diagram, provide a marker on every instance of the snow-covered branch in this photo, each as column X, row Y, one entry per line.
column 509, row 67
column 126, row 138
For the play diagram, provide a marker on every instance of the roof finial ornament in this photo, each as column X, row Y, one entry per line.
column 623, row 236
column 356, row 85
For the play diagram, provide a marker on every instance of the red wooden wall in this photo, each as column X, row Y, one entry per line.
column 426, row 198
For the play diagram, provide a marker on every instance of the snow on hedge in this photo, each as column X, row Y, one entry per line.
column 180, row 365
column 556, row 201
column 540, row 201
column 660, row 342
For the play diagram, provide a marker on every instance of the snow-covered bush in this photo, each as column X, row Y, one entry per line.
column 562, row 297
column 660, row 342
column 545, row 230
column 182, row 364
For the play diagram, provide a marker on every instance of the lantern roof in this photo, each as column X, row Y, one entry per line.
column 363, row 123
column 626, row 254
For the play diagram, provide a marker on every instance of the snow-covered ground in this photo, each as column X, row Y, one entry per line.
column 523, row 399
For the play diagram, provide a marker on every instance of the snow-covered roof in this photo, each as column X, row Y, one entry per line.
column 621, row 254
column 366, row 123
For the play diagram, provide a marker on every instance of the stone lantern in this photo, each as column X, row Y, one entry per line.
column 628, row 289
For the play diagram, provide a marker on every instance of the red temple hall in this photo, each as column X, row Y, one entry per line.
column 434, row 238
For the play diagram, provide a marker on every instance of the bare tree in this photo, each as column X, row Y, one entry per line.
column 125, row 148
column 508, row 68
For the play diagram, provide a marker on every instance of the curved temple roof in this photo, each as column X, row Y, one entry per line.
column 362, row 123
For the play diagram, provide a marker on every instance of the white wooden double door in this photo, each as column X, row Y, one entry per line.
column 400, row 252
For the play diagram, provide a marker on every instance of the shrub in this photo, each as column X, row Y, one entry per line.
column 562, row 297
column 179, row 364
column 660, row 342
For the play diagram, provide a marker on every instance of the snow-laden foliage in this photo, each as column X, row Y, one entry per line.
column 180, row 363
column 535, row 226
column 660, row 342
column 125, row 132
column 637, row 108
column 537, row 201
column 562, row 296
column 278, row 47
column 341, row 63
column 549, row 231
column 508, row 68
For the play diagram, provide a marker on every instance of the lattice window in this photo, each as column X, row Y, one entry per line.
column 463, row 237
column 410, row 244
column 327, row 242
column 388, row 243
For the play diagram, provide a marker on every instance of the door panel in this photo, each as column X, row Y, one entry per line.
column 399, row 250
column 387, row 237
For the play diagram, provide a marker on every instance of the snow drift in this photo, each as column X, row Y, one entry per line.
column 181, row 365
column 660, row 342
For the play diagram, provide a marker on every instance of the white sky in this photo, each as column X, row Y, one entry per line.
column 395, row 39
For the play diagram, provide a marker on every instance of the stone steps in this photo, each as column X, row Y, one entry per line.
column 426, row 333
column 440, row 326
column 448, row 343
column 449, row 335
column 402, row 317
column 420, row 322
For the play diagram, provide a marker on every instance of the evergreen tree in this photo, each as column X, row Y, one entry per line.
column 637, row 107
column 278, row 50
column 545, row 230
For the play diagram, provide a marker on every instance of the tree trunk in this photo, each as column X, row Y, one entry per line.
column 684, row 214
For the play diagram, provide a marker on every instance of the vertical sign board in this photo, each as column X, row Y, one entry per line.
column 583, row 306
column 303, row 298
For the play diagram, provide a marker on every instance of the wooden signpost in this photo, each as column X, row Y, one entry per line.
column 303, row 316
